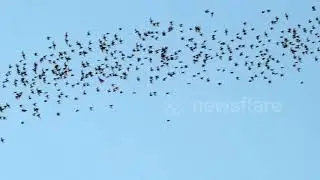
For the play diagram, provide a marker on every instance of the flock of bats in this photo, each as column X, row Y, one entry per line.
column 101, row 65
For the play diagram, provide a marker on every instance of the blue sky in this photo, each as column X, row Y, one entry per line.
column 134, row 141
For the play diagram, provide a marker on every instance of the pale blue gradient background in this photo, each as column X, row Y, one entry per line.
column 134, row 141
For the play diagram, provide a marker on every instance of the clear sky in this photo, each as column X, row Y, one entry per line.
column 133, row 141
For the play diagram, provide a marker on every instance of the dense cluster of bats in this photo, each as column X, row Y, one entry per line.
column 100, row 65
